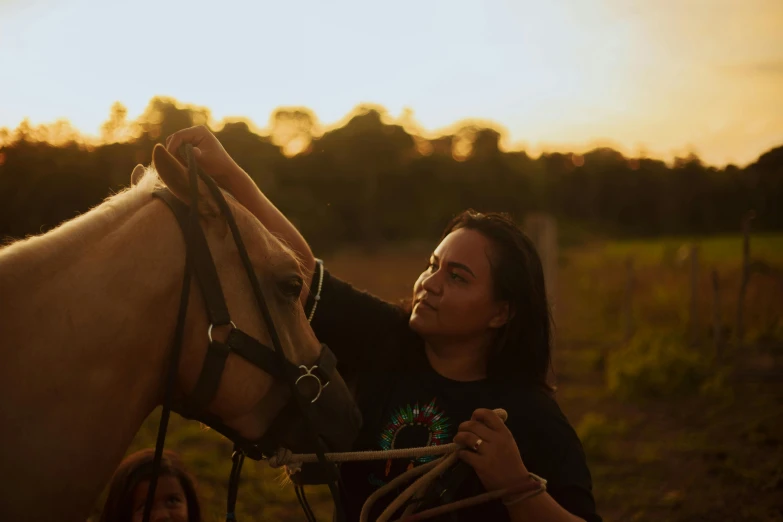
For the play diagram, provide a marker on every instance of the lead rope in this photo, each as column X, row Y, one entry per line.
column 429, row 473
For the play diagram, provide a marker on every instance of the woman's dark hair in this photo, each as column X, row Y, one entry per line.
column 137, row 468
column 522, row 348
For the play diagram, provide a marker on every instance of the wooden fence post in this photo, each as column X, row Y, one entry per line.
column 542, row 230
column 740, row 331
column 717, row 327
column 694, row 311
column 628, row 299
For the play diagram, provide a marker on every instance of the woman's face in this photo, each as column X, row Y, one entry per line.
column 453, row 297
column 170, row 501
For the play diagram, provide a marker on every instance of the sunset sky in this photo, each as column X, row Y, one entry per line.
column 661, row 76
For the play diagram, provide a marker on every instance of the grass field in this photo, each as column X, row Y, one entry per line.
column 714, row 250
column 663, row 443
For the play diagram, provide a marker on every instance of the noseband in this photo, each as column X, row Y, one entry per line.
column 199, row 262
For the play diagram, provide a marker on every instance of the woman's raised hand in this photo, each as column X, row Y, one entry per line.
column 209, row 154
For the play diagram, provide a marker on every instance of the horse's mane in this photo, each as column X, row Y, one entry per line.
column 75, row 236
column 73, row 233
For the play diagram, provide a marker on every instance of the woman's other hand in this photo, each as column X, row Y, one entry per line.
column 491, row 450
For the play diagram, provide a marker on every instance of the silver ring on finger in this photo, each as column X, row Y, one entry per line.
column 478, row 443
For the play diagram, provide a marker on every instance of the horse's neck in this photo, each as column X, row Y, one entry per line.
column 85, row 322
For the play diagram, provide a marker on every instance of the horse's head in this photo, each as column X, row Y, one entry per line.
column 248, row 399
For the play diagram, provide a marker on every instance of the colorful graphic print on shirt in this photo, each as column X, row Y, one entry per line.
column 412, row 426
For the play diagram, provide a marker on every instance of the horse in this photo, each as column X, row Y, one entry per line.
column 87, row 319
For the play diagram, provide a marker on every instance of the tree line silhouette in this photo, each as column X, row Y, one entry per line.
column 369, row 181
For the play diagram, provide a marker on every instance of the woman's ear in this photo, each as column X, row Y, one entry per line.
column 502, row 316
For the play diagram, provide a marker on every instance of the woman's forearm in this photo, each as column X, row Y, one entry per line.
column 244, row 189
column 541, row 508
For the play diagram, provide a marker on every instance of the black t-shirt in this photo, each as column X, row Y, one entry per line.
column 405, row 404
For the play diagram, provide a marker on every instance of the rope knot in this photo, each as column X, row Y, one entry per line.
column 281, row 458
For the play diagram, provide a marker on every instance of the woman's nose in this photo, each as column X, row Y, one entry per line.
column 160, row 514
column 431, row 283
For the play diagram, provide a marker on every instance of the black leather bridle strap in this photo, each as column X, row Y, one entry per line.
column 191, row 223
column 237, row 459
column 199, row 260
column 168, row 391
column 204, row 266
column 256, row 353
column 209, row 378
column 217, row 311
column 300, row 496
column 195, row 171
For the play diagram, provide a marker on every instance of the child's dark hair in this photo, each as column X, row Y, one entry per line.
column 137, row 468
column 522, row 349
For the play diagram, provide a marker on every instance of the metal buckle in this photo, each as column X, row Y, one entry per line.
column 209, row 330
column 308, row 372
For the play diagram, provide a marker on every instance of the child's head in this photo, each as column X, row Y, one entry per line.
column 175, row 493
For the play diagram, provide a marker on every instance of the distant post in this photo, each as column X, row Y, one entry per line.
column 694, row 312
column 746, row 269
column 628, row 327
column 542, row 230
column 717, row 327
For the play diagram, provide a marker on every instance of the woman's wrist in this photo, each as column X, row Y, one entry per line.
column 530, row 486
column 236, row 179
column 520, row 476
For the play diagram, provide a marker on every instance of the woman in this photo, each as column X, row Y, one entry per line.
column 475, row 337
column 175, row 494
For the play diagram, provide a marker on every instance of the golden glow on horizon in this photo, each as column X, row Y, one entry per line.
column 653, row 77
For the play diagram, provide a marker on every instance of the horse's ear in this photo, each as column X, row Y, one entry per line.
column 137, row 174
column 176, row 178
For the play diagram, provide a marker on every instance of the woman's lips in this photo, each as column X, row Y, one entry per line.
column 426, row 305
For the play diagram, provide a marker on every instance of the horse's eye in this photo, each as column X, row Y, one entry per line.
column 292, row 287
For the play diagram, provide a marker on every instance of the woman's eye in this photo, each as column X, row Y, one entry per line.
column 173, row 500
column 456, row 277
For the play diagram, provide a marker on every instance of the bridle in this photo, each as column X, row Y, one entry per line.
column 199, row 262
